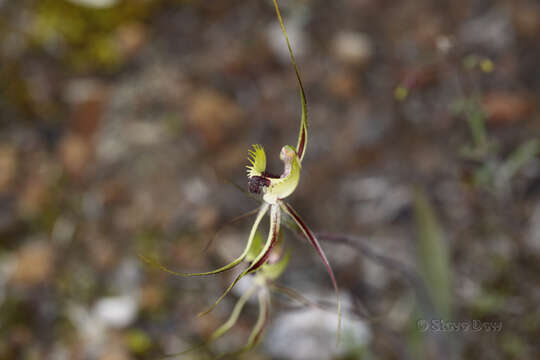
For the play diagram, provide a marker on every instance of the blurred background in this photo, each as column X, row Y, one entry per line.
column 123, row 124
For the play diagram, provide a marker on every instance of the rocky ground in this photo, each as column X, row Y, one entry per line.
column 123, row 124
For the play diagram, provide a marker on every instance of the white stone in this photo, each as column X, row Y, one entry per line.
column 353, row 47
column 311, row 334
column 116, row 311
column 95, row 3
column 297, row 38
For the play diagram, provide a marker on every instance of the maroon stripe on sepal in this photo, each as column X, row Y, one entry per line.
column 302, row 143
column 275, row 237
column 313, row 241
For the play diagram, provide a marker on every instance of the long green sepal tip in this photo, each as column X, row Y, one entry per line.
column 157, row 264
column 238, row 260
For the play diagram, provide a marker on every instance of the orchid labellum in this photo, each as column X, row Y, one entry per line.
column 274, row 189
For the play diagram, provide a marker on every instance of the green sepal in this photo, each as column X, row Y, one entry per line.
column 256, row 334
column 306, row 231
column 260, row 215
column 256, row 247
column 264, row 313
column 234, row 315
column 223, row 329
column 273, row 234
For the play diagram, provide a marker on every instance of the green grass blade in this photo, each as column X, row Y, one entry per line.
column 517, row 160
column 433, row 255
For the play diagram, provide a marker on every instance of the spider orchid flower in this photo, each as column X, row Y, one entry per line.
column 262, row 282
column 274, row 189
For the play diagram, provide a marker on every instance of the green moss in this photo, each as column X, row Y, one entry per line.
column 85, row 38
column 513, row 346
column 488, row 303
column 138, row 341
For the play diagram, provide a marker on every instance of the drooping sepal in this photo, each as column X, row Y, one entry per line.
column 256, row 247
column 234, row 315
column 261, row 258
column 311, row 237
column 264, row 314
column 257, row 332
column 238, row 260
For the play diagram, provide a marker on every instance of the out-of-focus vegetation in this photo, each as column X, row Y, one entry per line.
column 121, row 122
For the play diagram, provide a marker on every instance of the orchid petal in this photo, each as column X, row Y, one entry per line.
column 309, row 235
column 257, row 331
column 256, row 247
column 264, row 313
column 234, row 315
column 273, row 236
column 260, row 215
column 193, row 348
column 231, row 321
column 294, row 295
